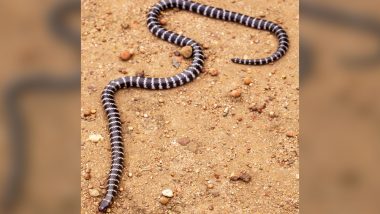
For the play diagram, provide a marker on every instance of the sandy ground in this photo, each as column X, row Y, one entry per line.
column 227, row 136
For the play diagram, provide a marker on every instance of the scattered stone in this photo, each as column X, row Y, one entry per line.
column 243, row 176
column 87, row 176
column 247, row 81
column 211, row 207
column 257, row 108
column 123, row 71
column 226, row 111
column 93, row 192
column 93, row 111
column 183, row 141
column 95, row 138
column 186, row 51
column 291, row 134
column 164, row 200
column 272, row 114
column 234, row 177
column 161, row 100
column 126, row 55
column 87, row 113
column 163, row 21
column 235, row 93
column 168, row 193
column 140, row 73
column 210, row 186
column 177, row 53
column 213, row 72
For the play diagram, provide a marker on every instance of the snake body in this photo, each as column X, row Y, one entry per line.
column 186, row 76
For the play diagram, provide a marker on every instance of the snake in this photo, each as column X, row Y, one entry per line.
column 186, row 76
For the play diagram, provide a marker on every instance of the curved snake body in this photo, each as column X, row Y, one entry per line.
column 189, row 74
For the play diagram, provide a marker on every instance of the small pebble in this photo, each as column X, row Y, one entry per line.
column 163, row 21
column 291, row 134
column 213, row 72
column 161, row 100
column 183, row 141
column 95, row 138
column 234, row 177
column 87, row 113
column 126, row 55
column 272, row 114
column 93, row 111
column 257, row 108
column 140, row 73
column 167, row 193
column 186, row 51
column 94, row 192
column 247, row 81
column 226, row 111
column 235, row 93
column 123, row 71
column 243, row 176
column 87, row 176
column 164, row 200
column 177, row 53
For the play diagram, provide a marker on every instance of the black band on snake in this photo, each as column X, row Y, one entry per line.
column 189, row 74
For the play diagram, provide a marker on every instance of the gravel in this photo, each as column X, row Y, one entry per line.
column 164, row 200
column 235, row 93
column 186, row 51
column 247, row 81
column 126, row 55
column 93, row 192
column 183, row 141
column 95, row 138
column 168, row 193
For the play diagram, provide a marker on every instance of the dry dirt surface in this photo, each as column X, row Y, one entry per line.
column 196, row 139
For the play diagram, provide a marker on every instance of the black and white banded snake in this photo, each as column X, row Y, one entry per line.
column 189, row 74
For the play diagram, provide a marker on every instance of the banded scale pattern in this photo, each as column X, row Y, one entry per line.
column 218, row 13
column 189, row 74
